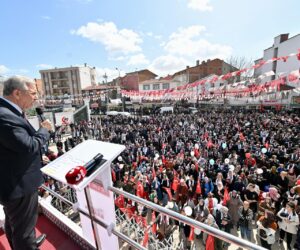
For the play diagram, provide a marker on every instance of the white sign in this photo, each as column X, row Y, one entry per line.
column 64, row 118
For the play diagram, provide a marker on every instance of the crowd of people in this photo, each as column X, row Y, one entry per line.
column 233, row 170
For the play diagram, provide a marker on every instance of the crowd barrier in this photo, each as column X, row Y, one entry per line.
column 162, row 210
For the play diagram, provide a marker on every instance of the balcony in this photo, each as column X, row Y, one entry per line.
column 61, row 87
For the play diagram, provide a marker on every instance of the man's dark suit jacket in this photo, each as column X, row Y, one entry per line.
column 20, row 154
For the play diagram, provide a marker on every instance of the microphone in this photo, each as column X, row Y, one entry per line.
column 94, row 162
column 40, row 113
column 77, row 174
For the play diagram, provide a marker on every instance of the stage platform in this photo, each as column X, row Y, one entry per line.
column 56, row 238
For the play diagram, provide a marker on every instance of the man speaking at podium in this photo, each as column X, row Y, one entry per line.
column 20, row 163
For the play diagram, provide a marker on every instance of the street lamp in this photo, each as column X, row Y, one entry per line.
column 119, row 85
column 118, row 71
column 105, row 77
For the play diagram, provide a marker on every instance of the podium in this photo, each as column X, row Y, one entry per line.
column 92, row 193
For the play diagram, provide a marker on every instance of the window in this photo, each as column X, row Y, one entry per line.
column 156, row 86
column 146, row 87
column 166, row 85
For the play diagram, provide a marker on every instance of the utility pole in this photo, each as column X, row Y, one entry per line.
column 105, row 77
column 122, row 97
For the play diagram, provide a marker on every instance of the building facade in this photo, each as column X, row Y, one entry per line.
column 158, row 84
column 70, row 80
column 131, row 80
column 206, row 68
column 98, row 89
column 283, row 46
column 39, row 87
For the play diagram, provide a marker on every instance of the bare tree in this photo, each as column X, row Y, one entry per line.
column 239, row 63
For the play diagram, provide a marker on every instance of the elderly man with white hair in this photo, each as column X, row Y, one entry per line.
column 20, row 160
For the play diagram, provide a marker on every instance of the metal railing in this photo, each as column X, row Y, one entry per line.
column 191, row 222
column 101, row 223
column 177, row 216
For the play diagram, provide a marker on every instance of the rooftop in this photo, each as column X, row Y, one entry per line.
column 99, row 87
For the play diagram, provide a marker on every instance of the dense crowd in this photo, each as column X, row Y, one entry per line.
column 233, row 170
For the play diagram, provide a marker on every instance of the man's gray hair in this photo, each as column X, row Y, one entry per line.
column 16, row 82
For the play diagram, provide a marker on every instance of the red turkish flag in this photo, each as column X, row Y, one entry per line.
column 120, row 202
column 191, row 236
column 127, row 211
column 175, row 183
column 284, row 58
column 146, row 238
column 140, row 190
column 198, row 188
column 161, row 169
column 226, row 196
column 134, row 165
column 210, row 243
column 163, row 159
column 141, row 220
column 168, row 192
column 113, row 175
column 154, row 226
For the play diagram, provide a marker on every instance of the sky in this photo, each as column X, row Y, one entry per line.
column 120, row 36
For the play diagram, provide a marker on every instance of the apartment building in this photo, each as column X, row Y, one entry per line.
column 158, row 84
column 191, row 74
column 70, row 80
column 282, row 46
column 131, row 80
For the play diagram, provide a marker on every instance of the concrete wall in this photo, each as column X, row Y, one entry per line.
column 85, row 77
column 285, row 48
column 290, row 46
column 172, row 84
column 268, row 54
